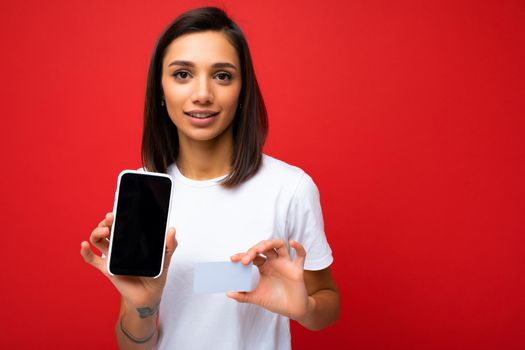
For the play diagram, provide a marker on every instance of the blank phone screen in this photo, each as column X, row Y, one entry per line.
column 140, row 225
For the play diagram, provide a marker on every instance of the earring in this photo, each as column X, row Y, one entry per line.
column 162, row 102
column 240, row 105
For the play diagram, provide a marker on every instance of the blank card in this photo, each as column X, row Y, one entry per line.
column 222, row 276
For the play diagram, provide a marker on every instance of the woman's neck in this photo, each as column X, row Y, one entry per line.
column 203, row 160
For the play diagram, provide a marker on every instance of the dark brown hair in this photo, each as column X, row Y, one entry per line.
column 160, row 141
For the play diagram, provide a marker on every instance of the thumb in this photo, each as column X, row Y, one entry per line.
column 241, row 297
column 171, row 245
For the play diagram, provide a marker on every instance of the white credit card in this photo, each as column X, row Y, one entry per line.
column 222, row 276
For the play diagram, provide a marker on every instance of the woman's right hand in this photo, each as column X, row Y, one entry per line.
column 136, row 292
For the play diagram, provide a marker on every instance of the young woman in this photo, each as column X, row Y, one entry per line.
column 205, row 125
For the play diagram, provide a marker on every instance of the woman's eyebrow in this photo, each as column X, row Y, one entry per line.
column 191, row 64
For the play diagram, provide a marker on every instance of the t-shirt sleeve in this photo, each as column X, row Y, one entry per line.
column 304, row 224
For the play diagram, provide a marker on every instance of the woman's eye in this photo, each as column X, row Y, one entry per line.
column 223, row 76
column 181, row 75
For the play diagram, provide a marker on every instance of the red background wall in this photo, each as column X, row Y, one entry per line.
column 409, row 115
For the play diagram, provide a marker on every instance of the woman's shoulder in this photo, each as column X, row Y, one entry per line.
column 278, row 167
column 286, row 178
column 281, row 173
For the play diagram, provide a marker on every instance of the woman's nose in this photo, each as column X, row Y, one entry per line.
column 203, row 93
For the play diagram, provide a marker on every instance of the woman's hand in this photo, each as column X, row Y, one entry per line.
column 136, row 292
column 281, row 288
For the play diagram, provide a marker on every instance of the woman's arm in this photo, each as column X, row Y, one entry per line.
column 323, row 300
column 136, row 328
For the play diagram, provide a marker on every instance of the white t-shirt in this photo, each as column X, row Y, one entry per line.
column 213, row 223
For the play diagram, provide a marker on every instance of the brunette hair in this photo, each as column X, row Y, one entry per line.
column 160, row 141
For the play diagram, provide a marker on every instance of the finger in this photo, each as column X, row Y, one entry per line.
column 237, row 257
column 282, row 248
column 171, row 245
column 300, row 253
column 99, row 238
column 260, row 248
column 241, row 297
column 108, row 220
column 252, row 252
column 90, row 257
column 263, row 247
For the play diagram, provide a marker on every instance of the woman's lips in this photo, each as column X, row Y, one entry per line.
column 201, row 114
column 201, row 119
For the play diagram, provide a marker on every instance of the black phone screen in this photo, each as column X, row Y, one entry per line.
column 140, row 225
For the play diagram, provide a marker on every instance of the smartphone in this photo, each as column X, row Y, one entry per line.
column 141, row 215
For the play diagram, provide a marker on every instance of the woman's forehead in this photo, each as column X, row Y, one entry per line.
column 202, row 48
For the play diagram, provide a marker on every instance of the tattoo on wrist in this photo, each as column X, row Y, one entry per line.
column 135, row 339
column 147, row 311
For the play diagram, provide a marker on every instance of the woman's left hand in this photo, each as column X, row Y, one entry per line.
column 281, row 288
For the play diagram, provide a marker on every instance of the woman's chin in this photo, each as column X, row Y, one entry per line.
column 205, row 135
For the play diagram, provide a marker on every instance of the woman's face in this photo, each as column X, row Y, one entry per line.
column 201, row 81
